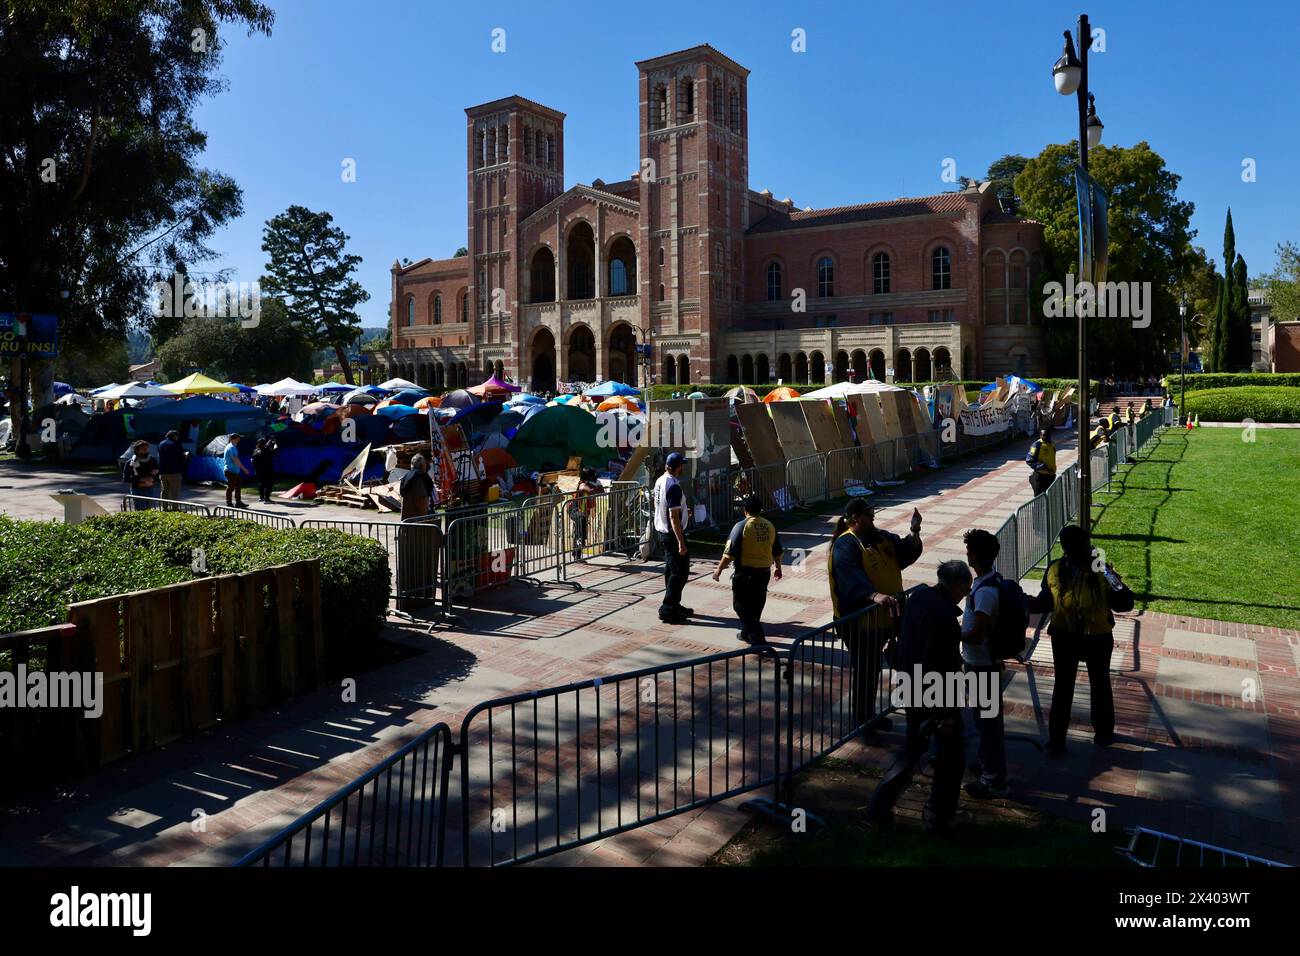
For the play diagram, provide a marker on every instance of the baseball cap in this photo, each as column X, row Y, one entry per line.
column 536, row 476
column 676, row 458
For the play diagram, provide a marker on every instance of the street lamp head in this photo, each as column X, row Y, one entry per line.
column 1094, row 125
column 1068, row 71
column 1182, row 308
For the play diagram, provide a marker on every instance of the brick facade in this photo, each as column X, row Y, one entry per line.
column 729, row 284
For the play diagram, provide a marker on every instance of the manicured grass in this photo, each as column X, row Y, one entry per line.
column 1208, row 525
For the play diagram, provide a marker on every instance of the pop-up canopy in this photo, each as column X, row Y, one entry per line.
column 198, row 383
column 844, row 389
column 611, row 389
column 287, row 387
column 494, row 388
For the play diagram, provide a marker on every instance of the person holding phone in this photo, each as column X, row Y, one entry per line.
column 865, row 571
column 1081, row 600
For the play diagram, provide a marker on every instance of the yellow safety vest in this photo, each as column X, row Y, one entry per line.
column 1046, row 453
column 1145, row 407
column 881, row 565
column 756, row 541
column 1077, row 601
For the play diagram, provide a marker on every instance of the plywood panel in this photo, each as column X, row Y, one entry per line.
column 894, row 427
column 821, row 425
column 792, row 430
column 760, row 435
column 871, row 422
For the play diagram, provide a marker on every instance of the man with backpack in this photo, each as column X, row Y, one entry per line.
column 992, row 630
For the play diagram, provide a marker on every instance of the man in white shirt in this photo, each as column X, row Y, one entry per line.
column 977, row 624
column 670, row 525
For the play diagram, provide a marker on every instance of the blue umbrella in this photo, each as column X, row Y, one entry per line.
column 408, row 396
column 525, row 399
column 397, row 411
column 63, row 388
column 336, row 387
column 611, row 388
column 242, row 388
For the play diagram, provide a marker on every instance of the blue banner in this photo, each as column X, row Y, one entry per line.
column 1094, row 246
column 42, row 335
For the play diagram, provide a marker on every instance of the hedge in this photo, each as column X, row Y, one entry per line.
column 45, row 566
column 1204, row 380
column 1259, row 403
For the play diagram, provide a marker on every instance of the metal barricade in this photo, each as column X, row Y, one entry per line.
column 248, row 514
column 766, row 481
column 807, row 478
column 393, row 815
column 848, row 468
column 149, row 503
column 503, row 543
column 545, row 771
column 713, row 490
column 605, row 523
column 1153, row 848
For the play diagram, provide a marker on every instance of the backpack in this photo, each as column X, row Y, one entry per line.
column 1007, row 639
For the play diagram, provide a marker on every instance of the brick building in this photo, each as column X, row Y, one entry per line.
column 728, row 284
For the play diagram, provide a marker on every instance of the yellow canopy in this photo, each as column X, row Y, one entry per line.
column 198, row 383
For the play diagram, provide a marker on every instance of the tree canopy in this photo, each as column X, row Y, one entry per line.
column 226, row 349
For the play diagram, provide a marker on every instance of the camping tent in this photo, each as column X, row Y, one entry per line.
column 550, row 436
column 397, row 384
column 494, row 388
column 160, row 418
column 198, row 383
column 611, row 389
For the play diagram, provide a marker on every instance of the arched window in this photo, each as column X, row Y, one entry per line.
column 734, row 111
column 617, row 278
column 733, row 369
column 941, row 268
column 659, row 107
column 774, row 282
column 683, row 370
column 541, row 278
column 480, row 147
column 661, row 292
column 410, row 310
column 880, row 273
column 503, row 139
column 437, row 310
column 528, row 144
column 482, row 292
column 490, row 156
column 685, row 100
column 661, row 255
column 464, row 307
column 825, row 277
column 550, row 150
column 717, row 101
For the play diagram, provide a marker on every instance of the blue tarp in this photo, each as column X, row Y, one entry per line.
column 611, row 389
column 1014, row 380
column 161, row 417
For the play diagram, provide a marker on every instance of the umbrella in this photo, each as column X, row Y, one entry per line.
column 245, row 389
column 197, row 384
column 315, row 408
column 429, row 401
column 497, row 459
column 697, row 395
column 360, row 397
column 335, row 387
column 397, row 384
column 459, row 399
column 523, row 398
column 783, row 393
column 287, row 388
column 134, row 390
column 63, row 388
column 1013, row 381
column 619, row 402
column 743, row 394
column 844, row 389
column 396, row 411
column 409, row 396
column 71, row 398
column 103, row 388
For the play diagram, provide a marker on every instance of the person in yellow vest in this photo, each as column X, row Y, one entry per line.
column 865, row 571
column 1081, row 600
column 755, row 548
column 1129, row 415
column 1097, row 437
column 1042, row 462
column 1144, row 408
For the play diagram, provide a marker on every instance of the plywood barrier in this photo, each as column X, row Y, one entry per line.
column 797, row 443
column 760, row 435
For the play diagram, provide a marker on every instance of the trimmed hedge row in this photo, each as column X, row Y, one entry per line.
column 1199, row 381
column 1259, row 403
column 45, row 566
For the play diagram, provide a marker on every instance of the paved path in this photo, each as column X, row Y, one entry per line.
column 1194, row 758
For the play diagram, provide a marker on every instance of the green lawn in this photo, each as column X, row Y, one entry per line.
column 1208, row 525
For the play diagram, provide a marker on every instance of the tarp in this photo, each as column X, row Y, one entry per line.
column 550, row 436
column 165, row 415
column 1013, row 381
column 611, row 389
column 245, row 389
column 844, row 389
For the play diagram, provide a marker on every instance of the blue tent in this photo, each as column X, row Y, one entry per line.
column 242, row 388
column 1014, row 380
column 611, row 389
column 408, row 396
column 166, row 415
column 397, row 411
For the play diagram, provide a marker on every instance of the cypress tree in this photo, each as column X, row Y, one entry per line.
column 1240, row 348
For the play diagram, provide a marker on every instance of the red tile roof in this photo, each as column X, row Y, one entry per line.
column 864, row 212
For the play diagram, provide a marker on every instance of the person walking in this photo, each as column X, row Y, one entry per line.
column 264, row 468
column 171, row 464
column 1081, row 601
column 235, row 471
column 755, row 547
column 583, row 508
column 142, row 472
column 670, row 524
column 979, row 621
column 1042, row 463
column 930, row 640
column 865, row 572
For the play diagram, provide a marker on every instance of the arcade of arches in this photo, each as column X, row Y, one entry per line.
column 580, row 361
column 815, row 368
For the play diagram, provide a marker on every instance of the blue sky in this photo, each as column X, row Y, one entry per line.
column 883, row 94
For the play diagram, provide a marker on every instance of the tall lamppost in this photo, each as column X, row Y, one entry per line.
column 1070, row 74
column 1182, row 360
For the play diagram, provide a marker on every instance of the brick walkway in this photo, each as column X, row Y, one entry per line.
column 254, row 776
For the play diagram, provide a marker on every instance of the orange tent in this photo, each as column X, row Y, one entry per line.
column 783, row 394
column 619, row 403
column 430, row 401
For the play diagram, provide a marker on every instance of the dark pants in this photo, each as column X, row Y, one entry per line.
column 948, row 762
column 1094, row 650
column 1040, row 481
column 579, row 534
column 992, row 734
column 748, row 598
column 234, row 487
column 865, row 638
column 677, row 568
column 265, row 485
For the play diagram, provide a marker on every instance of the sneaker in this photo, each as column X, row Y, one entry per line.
column 982, row 790
column 1103, row 740
column 687, row 611
column 672, row 619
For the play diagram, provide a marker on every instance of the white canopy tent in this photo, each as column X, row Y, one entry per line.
column 134, row 390
column 843, row 389
column 288, row 388
column 397, row 384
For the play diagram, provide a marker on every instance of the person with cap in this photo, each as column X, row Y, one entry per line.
column 865, row 571
column 755, row 548
column 235, row 471
column 142, row 472
column 1042, row 463
column 171, row 464
column 670, row 524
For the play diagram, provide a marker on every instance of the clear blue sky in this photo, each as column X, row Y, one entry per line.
column 884, row 93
